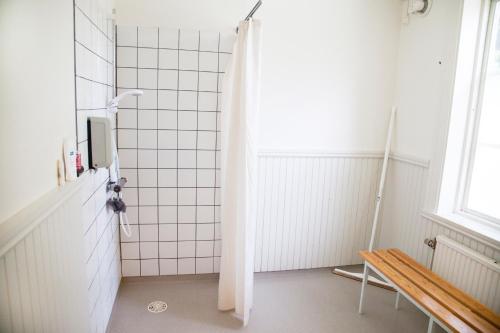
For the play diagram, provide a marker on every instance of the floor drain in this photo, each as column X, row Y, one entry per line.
column 157, row 306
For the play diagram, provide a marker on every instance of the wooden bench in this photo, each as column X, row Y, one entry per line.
column 446, row 305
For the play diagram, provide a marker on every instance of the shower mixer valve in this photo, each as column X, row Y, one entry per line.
column 117, row 186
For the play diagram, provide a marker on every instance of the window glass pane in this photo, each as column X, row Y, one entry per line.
column 484, row 190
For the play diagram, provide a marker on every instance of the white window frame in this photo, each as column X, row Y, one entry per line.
column 473, row 121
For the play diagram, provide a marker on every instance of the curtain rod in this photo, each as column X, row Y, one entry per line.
column 254, row 9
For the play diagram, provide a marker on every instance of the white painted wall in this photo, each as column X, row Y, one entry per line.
column 328, row 66
column 36, row 97
column 428, row 49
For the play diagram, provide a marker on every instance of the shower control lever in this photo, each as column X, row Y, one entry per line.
column 118, row 185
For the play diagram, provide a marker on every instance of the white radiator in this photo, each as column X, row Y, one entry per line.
column 42, row 286
column 474, row 273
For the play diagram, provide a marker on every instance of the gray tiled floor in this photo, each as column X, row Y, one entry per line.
column 295, row 301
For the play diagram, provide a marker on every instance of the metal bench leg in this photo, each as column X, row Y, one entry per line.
column 397, row 300
column 430, row 328
column 363, row 287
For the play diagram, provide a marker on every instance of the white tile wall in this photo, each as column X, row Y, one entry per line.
column 94, row 55
column 168, row 141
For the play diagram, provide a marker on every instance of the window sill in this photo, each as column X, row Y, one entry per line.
column 482, row 232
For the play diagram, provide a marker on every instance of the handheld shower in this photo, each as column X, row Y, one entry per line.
column 112, row 107
column 113, row 104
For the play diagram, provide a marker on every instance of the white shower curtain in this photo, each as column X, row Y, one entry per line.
column 239, row 125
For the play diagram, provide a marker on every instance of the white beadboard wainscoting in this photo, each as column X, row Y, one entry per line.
column 404, row 226
column 42, row 276
column 474, row 273
column 314, row 209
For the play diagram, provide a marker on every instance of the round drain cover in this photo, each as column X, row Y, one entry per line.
column 157, row 306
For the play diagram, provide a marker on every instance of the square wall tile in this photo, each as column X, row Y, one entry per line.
column 147, row 79
column 207, row 101
column 217, row 231
column 167, row 196
column 130, row 250
column 187, row 158
column 188, row 100
column 147, row 139
column 207, row 121
column 167, row 214
column 205, row 178
column 204, row 232
column 168, row 249
column 134, row 235
column 133, row 215
column 168, row 232
column 209, row 41
column 205, row 214
column 148, row 37
column 216, row 264
column 189, row 39
column 168, row 79
column 187, row 140
column 147, row 119
column 147, row 177
column 127, row 118
column 187, row 120
column 126, row 77
column 204, row 248
column 168, row 266
column 149, row 267
column 209, row 61
column 131, row 268
column 147, row 158
column 188, row 60
column 167, row 100
column 169, row 38
column 208, row 81
column 167, row 177
column 223, row 61
column 206, row 159
column 188, row 80
column 186, row 266
column 204, row 265
column 148, row 100
column 149, row 250
column 167, row 119
column 126, row 36
column 187, row 232
column 187, row 214
column 217, row 248
column 131, row 175
column 127, row 138
column 147, row 58
column 186, row 196
column 167, row 158
column 169, row 59
column 187, row 177
column 167, row 139
column 148, row 214
column 128, row 158
column 227, row 42
column 206, row 140
column 186, row 249
column 147, row 196
column 130, row 196
column 148, row 233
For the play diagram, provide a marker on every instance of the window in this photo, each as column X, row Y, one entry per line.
column 480, row 195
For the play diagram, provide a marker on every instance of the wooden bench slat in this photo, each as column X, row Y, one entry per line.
column 458, row 294
column 444, row 298
column 430, row 304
